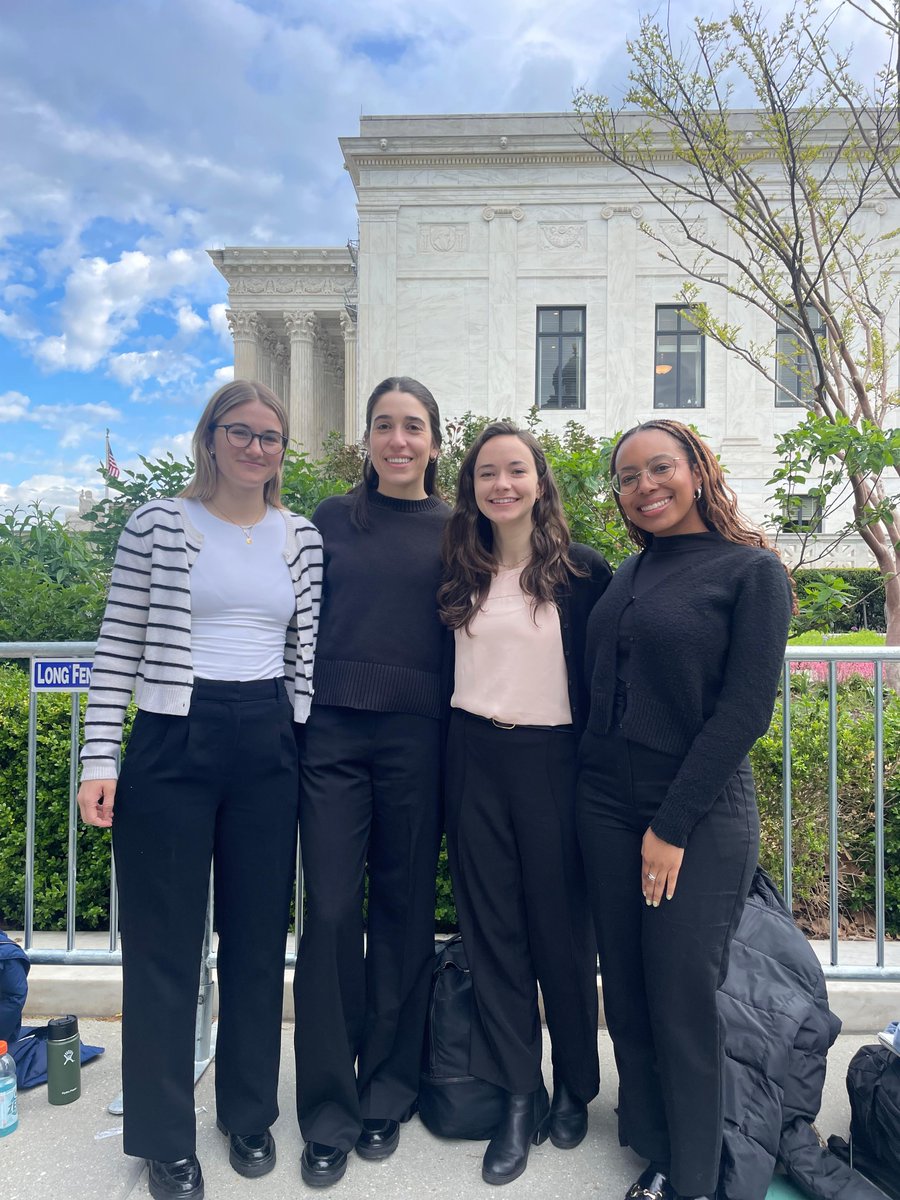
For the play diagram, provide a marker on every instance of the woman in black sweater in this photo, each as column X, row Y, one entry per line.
column 685, row 650
column 517, row 594
column 370, row 793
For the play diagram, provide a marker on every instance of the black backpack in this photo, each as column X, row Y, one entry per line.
column 453, row 1102
column 873, row 1083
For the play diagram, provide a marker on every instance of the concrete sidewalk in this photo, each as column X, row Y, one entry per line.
column 75, row 1152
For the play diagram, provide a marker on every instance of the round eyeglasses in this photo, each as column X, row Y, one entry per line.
column 658, row 469
column 242, row 436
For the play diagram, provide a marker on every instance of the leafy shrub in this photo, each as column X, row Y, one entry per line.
column 52, row 816
column 856, row 806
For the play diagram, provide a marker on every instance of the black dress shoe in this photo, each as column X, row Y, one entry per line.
column 568, row 1118
column 181, row 1178
column 250, row 1154
column 651, row 1185
column 321, row 1166
column 378, row 1139
column 525, row 1122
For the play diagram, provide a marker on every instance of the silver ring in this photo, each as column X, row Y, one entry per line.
column 650, row 876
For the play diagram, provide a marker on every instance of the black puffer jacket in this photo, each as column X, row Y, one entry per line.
column 778, row 1029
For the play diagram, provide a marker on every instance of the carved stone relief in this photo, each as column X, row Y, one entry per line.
column 491, row 211
column 563, row 237
column 443, row 238
column 291, row 285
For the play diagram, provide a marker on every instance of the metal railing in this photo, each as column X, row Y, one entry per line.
column 831, row 655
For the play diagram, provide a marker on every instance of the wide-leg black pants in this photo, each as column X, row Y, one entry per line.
column 661, row 967
column 218, row 785
column 520, row 897
column 369, row 801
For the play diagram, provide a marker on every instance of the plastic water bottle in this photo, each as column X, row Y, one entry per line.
column 9, row 1112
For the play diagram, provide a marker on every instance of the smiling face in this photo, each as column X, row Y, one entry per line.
column 239, row 471
column 400, row 445
column 665, row 507
column 506, row 482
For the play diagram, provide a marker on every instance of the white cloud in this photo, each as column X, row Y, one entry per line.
column 218, row 322
column 189, row 322
column 16, row 327
column 14, row 406
column 103, row 301
column 224, row 375
column 18, row 291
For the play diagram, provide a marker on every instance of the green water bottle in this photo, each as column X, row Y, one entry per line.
column 9, row 1114
column 63, row 1060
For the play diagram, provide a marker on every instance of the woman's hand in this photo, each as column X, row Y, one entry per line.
column 660, row 864
column 96, row 799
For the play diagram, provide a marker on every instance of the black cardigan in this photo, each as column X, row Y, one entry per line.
column 706, row 661
column 575, row 604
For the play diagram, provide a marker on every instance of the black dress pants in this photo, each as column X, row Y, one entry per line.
column 520, row 897
column 218, row 785
column 661, row 967
column 369, row 799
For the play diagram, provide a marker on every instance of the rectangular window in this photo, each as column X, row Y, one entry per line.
column 803, row 514
column 794, row 365
column 560, row 374
column 679, row 363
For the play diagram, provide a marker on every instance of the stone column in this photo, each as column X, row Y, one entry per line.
column 302, row 328
column 621, row 302
column 333, row 408
column 283, row 372
column 352, row 416
column 244, row 328
column 502, row 325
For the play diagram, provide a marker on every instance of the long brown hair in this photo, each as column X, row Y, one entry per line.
column 359, row 514
column 468, row 550
column 717, row 503
column 239, row 391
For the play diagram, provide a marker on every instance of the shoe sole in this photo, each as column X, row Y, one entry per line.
column 316, row 1179
column 159, row 1193
column 248, row 1170
column 567, row 1144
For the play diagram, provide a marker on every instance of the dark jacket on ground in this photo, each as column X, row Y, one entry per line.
column 14, row 967
column 777, row 1028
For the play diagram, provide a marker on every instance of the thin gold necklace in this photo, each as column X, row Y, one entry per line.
column 246, row 530
column 501, row 566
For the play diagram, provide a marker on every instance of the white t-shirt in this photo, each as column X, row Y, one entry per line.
column 242, row 598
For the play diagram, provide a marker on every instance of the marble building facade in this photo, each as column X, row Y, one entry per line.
column 501, row 261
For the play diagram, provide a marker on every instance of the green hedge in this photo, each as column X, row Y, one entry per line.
column 810, row 809
column 862, row 596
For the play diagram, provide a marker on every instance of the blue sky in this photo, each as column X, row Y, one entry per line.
column 135, row 134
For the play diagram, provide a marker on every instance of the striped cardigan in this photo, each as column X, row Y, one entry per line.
column 145, row 639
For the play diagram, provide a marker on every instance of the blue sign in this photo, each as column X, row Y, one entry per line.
column 60, row 675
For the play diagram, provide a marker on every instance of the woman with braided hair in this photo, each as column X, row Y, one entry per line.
column 684, row 653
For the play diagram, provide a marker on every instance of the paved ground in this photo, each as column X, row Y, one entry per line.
column 75, row 1152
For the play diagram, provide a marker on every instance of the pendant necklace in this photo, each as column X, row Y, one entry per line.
column 246, row 530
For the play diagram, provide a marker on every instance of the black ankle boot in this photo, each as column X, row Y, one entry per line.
column 568, row 1118
column 525, row 1122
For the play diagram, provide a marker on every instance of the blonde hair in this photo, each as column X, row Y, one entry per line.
column 203, row 485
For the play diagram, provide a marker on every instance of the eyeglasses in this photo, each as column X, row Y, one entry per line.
column 658, row 469
column 242, row 436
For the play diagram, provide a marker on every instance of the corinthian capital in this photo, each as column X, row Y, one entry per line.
column 301, row 325
column 242, row 324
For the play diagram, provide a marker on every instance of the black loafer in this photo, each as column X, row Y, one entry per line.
column 321, row 1166
column 181, row 1178
column 250, row 1154
column 568, row 1119
column 651, row 1185
column 378, row 1139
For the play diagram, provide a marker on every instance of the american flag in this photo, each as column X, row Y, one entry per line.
column 112, row 467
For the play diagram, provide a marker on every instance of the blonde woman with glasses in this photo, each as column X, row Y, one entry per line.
column 211, row 623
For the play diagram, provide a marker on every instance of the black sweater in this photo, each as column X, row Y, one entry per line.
column 575, row 605
column 381, row 646
column 703, row 670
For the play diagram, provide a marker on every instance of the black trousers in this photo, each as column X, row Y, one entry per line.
column 369, row 801
column 219, row 785
column 521, row 902
column 661, row 967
